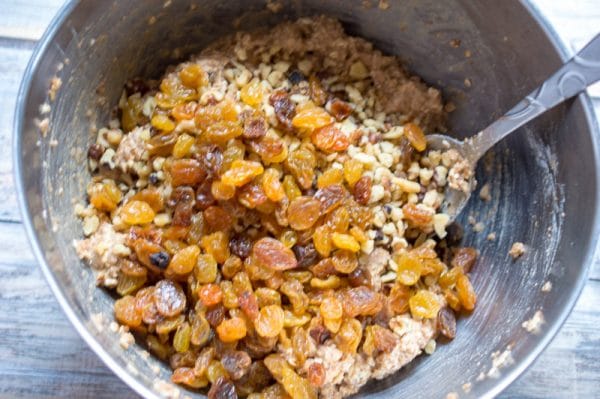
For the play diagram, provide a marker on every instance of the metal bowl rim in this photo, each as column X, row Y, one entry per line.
column 504, row 381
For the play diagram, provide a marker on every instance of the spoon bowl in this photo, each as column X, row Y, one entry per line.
column 454, row 200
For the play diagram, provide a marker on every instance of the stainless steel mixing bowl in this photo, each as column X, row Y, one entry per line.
column 544, row 180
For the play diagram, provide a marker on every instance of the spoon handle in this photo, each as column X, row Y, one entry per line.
column 573, row 77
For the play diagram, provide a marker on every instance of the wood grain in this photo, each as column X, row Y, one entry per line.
column 42, row 356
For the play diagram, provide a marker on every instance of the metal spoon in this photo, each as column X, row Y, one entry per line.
column 572, row 78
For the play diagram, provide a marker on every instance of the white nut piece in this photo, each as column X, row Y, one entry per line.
column 440, row 221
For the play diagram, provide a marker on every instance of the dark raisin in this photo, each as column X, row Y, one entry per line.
column 204, row 197
column 182, row 216
column 240, row 245
column 362, row 190
column 181, row 194
column 210, row 157
column 320, row 334
column 446, row 322
column 215, row 315
column 465, row 257
column 284, row 108
column 454, row 234
column 236, row 363
column 222, row 389
column 255, row 380
column 254, row 128
column 360, row 276
column 406, row 152
column 296, row 77
column 256, row 346
column 95, row 151
column 340, row 109
column 306, row 255
column 387, row 209
column 160, row 259
column 379, row 235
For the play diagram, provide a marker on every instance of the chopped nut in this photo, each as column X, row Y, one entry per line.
column 517, row 250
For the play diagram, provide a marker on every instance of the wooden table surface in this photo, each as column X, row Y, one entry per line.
column 41, row 354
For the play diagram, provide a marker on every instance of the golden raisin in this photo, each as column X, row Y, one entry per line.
column 193, row 76
column 353, row 170
column 311, row 118
column 330, row 139
column 465, row 292
column 186, row 172
column 184, row 111
column 163, row 123
column 210, row 114
column 232, row 330
column 269, row 321
column 183, row 262
column 349, row 335
column 291, row 189
column 183, row 145
column 105, row 196
column 345, row 241
column 272, row 254
column 301, row 163
column 126, row 311
column 151, row 196
column 241, row 172
column 137, row 212
column 361, row 301
column 181, row 339
column 186, row 376
column 452, row 299
column 296, row 386
column 252, row 93
column 417, row 216
column 221, row 132
column 424, row 304
column 303, row 212
column 415, row 136
column 344, row 261
column 398, row 298
column 210, row 294
column 409, row 269
column 222, row 191
column 322, row 240
column 329, row 177
column 205, row 269
column 272, row 186
column 449, row 278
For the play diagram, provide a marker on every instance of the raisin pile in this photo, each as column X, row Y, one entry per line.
column 246, row 232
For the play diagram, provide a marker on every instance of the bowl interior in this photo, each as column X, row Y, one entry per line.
column 538, row 177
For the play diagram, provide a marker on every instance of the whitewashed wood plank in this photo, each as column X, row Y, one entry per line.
column 27, row 19
column 14, row 56
column 42, row 355
column 575, row 22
